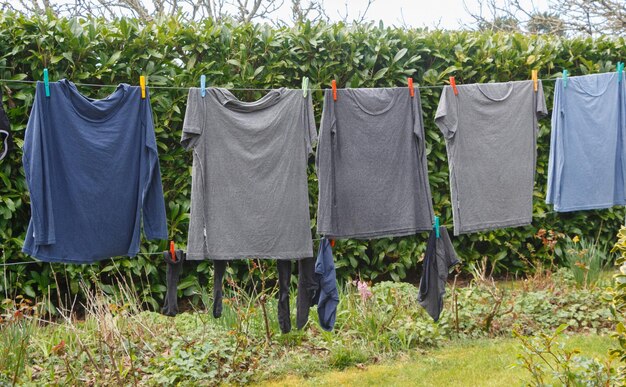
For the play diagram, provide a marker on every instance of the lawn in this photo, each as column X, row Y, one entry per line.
column 480, row 362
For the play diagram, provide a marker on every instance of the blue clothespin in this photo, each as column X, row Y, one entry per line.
column 436, row 226
column 46, row 82
column 202, row 85
column 620, row 71
column 565, row 78
column 305, row 86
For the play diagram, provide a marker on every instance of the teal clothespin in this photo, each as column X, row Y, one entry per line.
column 565, row 73
column 305, row 86
column 620, row 71
column 436, row 226
column 202, row 85
column 46, row 82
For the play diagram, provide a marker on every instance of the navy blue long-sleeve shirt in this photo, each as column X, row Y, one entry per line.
column 92, row 171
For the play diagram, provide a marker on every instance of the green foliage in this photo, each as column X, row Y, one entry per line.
column 175, row 53
column 586, row 260
column 617, row 296
column 547, row 360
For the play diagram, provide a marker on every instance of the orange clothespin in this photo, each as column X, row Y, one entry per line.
column 411, row 89
column 332, row 243
column 173, row 251
column 453, row 84
column 534, row 74
column 142, row 83
column 334, row 86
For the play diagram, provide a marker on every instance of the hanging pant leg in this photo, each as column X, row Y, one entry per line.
column 307, row 289
column 284, row 280
column 219, row 268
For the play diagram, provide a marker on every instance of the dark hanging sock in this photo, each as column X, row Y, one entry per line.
column 284, row 280
column 174, row 268
column 308, row 290
column 219, row 268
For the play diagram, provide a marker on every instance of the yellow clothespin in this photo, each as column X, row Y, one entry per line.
column 534, row 77
column 142, row 83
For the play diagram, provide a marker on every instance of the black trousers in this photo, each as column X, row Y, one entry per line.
column 307, row 289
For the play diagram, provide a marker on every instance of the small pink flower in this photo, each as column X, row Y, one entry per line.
column 364, row 290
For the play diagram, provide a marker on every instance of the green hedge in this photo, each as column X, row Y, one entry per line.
column 175, row 53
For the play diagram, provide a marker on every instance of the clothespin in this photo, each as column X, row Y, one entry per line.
column 332, row 243
column 411, row 89
column 334, row 86
column 46, row 82
column 202, row 85
column 305, row 86
column 436, row 226
column 620, row 71
column 142, row 83
column 453, row 84
column 173, row 251
column 565, row 78
column 534, row 78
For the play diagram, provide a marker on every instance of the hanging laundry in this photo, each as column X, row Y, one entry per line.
column 173, row 271
column 586, row 166
column 308, row 290
column 438, row 259
column 93, row 173
column 491, row 135
column 6, row 141
column 249, row 181
column 328, row 294
column 284, row 281
column 371, row 163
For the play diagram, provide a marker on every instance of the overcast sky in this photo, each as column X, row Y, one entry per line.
column 449, row 14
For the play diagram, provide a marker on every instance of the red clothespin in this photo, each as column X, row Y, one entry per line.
column 332, row 243
column 173, row 251
column 334, row 86
column 142, row 84
column 453, row 84
column 411, row 89
column 534, row 77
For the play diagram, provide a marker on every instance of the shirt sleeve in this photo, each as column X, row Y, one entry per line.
column 555, row 154
column 309, row 123
column 36, row 169
column 194, row 122
column 446, row 117
column 153, row 208
column 418, row 121
column 542, row 109
column 327, row 124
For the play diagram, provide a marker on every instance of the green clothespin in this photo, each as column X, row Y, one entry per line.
column 46, row 82
column 436, row 226
column 202, row 85
column 565, row 73
column 620, row 71
column 305, row 86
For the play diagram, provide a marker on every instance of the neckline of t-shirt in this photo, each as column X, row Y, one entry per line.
column 507, row 95
column 578, row 86
column 354, row 98
column 70, row 89
column 229, row 101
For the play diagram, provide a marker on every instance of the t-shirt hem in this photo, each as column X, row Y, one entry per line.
column 191, row 256
column 492, row 226
column 396, row 232
column 80, row 261
column 602, row 206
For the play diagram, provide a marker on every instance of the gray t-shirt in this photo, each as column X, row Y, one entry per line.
column 371, row 162
column 491, row 135
column 249, row 195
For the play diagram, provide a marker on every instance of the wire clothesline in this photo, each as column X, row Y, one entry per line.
column 229, row 88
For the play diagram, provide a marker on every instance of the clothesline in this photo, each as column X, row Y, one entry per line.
column 233, row 88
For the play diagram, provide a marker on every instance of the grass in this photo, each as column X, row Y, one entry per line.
column 481, row 362
column 384, row 331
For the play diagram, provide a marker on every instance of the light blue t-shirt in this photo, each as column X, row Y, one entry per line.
column 93, row 173
column 586, row 169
